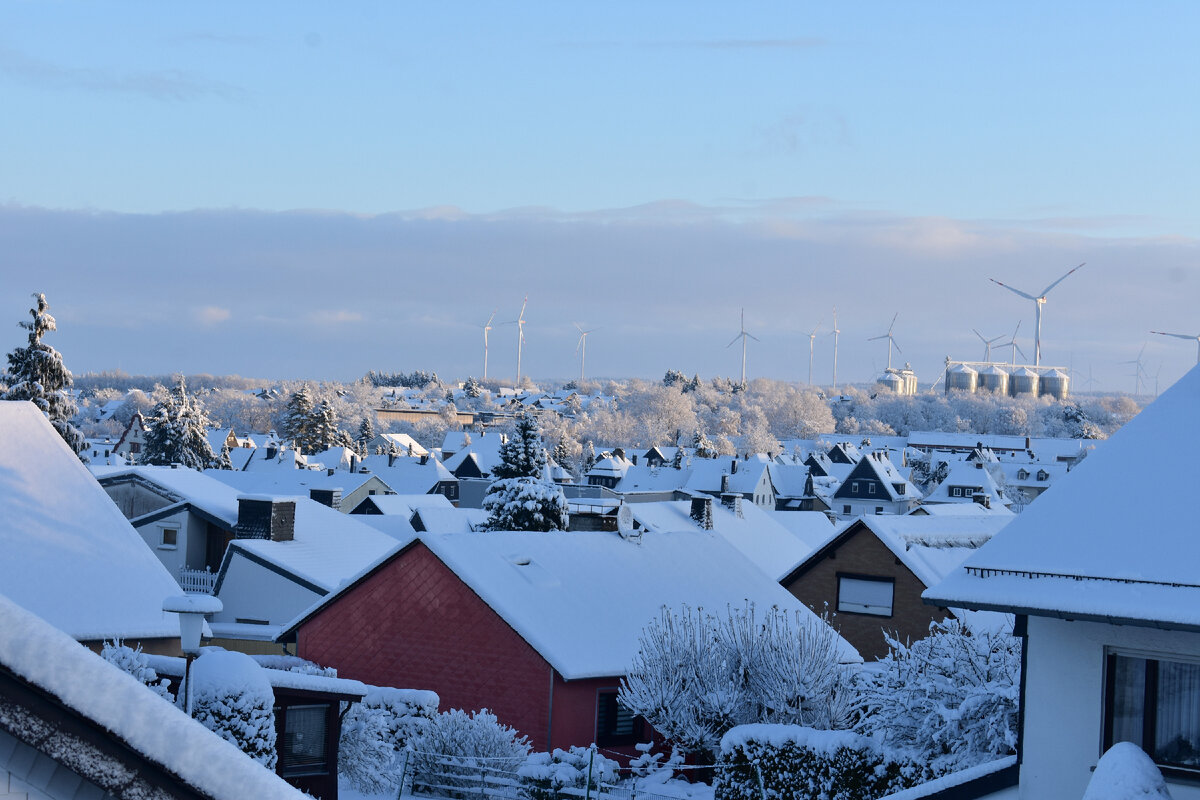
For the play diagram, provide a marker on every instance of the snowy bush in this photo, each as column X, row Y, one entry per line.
column 376, row 729
column 136, row 664
column 232, row 697
column 525, row 504
column 545, row 775
column 950, row 697
column 456, row 747
column 649, row 767
column 697, row 675
column 1125, row 772
column 789, row 762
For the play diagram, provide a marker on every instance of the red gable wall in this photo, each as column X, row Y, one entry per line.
column 414, row 624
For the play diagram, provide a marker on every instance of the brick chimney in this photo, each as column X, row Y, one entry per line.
column 264, row 517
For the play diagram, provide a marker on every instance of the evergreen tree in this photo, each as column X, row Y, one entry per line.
column 677, row 461
column 561, row 454
column 702, row 445
column 588, row 458
column 37, row 374
column 297, row 423
column 522, row 499
column 225, row 462
column 325, row 431
column 366, row 433
column 472, row 388
column 522, row 455
column 176, row 431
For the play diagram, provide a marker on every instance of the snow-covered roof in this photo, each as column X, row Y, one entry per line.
column 772, row 547
column 582, row 599
column 406, row 504
column 68, row 554
column 1092, row 546
column 451, row 520
column 709, row 475
column 327, row 547
column 960, row 510
column 201, row 489
column 788, row 479
column 643, row 478
column 292, row 481
column 46, row 657
column 486, row 449
column 408, row 475
column 972, row 474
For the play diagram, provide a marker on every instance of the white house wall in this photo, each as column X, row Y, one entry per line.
column 250, row 591
column 1064, row 700
column 172, row 557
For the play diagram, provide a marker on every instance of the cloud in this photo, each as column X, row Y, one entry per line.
column 211, row 315
column 338, row 317
column 166, row 84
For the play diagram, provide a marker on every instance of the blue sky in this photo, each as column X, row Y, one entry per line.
column 881, row 157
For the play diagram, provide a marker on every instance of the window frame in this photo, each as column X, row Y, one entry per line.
column 292, row 771
column 837, row 601
column 1151, row 662
column 610, row 738
column 163, row 530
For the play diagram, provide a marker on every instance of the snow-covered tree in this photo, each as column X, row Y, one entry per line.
column 36, row 373
column 375, row 730
column 697, row 674
column 522, row 455
column 297, row 425
column 951, row 696
column 702, row 446
column 224, row 461
column 366, row 433
column 325, row 430
column 135, row 662
column 472, row 388
column 473, row 740
column 525, row 504
column 177, row 431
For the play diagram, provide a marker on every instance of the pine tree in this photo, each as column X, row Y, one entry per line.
column 366, row 433
column 297, row 423
column 37, row 374
column 522, row 455
column 325, row 431
column 588, row 458
column 522, row 499
column 225, row 462
column 561, row 454
column 472, row 388
column 176, row 431
column 703, row 445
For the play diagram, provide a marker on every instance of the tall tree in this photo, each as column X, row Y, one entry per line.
column 177, row 431
column 522, row 455
column 298, row 419
column 37, row 374
column 522, row 499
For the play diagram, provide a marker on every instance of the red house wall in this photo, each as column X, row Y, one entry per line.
column 414, row 624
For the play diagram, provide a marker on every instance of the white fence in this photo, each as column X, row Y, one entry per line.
column 197, row 581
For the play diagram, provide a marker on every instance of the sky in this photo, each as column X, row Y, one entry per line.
column 302, row 190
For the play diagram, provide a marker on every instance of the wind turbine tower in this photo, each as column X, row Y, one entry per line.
column 891, row 339
column 1039, row 301
column 743, row 336
column 1195, row 338
column 581, row 348
column 811, row 338
column 836, row 331
column 520, row 323
column 487, row 327
column 1016, row 348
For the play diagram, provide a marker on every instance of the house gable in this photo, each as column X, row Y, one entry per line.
column 858, row 554
column 413, row 622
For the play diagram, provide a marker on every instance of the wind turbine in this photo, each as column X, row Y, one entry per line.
column 1039, row 301
column 835, row 332
column 487, row 327
column 1016, row 348
column 743, row 336
column 581, row 348
column 891, row 339
column 1196, row 338
column 811, row 338
column 987, row 344
column 520, row 323
column 1137, row 371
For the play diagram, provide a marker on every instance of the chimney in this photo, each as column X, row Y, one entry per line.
column 983, row 499
column 329, row 472
column 327, row 497
column 725, row 482
column 424, row 460
column 733, row 469
column 391, row 459
column 702, row 512
column 263, row 517
column 732, row 501
column 635, row 459
column 353, row 464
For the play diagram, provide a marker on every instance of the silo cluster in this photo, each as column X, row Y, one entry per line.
column 1005, row 379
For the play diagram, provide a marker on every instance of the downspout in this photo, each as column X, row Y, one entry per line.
column 550, row 714
column 1021, row 629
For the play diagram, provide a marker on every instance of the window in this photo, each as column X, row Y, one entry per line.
column 878, row 509
column 846, row 511
column 1155, row 704
column 955, row 491
column 1022, row 474
column 615, row 724
column 854, row 486
column 135, row 447
column 303, row 751
column 871, row 487
column 168, row 538
column 862, row 594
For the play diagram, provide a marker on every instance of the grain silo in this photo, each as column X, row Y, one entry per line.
column 994, row 378
column 961, row 378
column 1023, row 382
column 1056, row 384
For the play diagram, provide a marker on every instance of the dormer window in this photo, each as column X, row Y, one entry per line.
column 899, row 487
column 1023, row 474
column 1042, row 475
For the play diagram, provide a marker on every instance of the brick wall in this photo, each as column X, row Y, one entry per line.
column 414, row 624
column 863, row 554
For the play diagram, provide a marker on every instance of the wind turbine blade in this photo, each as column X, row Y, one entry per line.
column 894, row 316
column 1019, row 350
column 740, row 335
column 755, row 338
column 580, row 344
column 576, row 324
column 880, row 336
column 897, row 344
column 1026, row 295
column 1060, row 280
column 1177, row 335
column 980, row 335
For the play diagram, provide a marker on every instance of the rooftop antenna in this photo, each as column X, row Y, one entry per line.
column 811, row 338
column 581, row 348
column 487, row 327
column 987, row 344
column 891, row 340
column 1016, row 348
column 743, row 336
column 520, row 323
column 835, row 332
column 1039, row 301
column 1195, row 338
